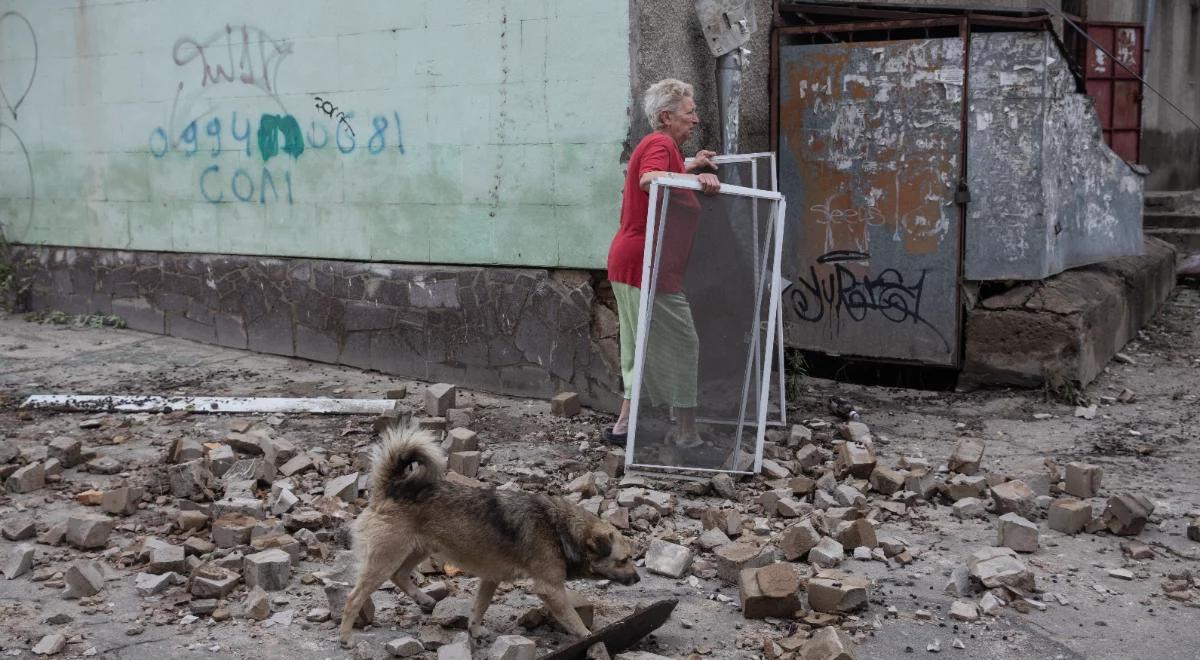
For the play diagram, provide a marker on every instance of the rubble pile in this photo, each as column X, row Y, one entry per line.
column 227, row 528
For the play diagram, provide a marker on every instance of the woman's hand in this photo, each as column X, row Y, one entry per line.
column 703, row 160
column 709, row 183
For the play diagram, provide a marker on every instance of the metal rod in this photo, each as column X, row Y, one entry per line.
column 670, row 181
column 643, row 326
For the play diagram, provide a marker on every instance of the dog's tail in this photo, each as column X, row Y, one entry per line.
column 406, row 462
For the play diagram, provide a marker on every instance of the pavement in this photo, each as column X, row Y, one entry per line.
column 1143, row 434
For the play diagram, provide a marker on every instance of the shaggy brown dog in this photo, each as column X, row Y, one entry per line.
column 496, row 535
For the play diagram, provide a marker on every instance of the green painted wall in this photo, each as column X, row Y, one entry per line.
column 484, row 131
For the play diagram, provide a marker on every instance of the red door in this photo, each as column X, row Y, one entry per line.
column 1115, row 89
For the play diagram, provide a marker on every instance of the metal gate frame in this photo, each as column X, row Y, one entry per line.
column 649, row 275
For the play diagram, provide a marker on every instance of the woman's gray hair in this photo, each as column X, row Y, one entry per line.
column 665, row 94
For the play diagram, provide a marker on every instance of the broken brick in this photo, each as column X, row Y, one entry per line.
column 565, row 404
column 1083, row 479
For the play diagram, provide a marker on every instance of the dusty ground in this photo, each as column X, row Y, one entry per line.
column 1148, row 446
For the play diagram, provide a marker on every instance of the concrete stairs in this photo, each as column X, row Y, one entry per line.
column 1174, row 217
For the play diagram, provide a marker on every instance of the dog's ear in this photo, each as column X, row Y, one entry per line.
column 600, row 542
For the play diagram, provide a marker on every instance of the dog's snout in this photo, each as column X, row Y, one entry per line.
column 632, row 578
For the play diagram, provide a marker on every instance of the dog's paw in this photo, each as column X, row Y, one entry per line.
column 427, row 605
column 346, row 643
column 477, row 632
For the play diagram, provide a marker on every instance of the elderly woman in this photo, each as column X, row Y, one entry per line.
column 669, row 375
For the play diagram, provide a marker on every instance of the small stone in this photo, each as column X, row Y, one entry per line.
column 856, row 459
column 26, row 479
column 969, row 507
column 298, row 464
column 191, row 520
column 203, row 606
column 774, row 470
column 967, row 456
column 1121, row 574
column 934, row 647
column 668, row 559
column 190, row 479
column 1017, row 533
column 614, row 463
column 439, row 398
column 104, row 465
column 88, row 531
column 964, row 611
column 122, row 501
column 848, row 496
column 50, row 644
column 887, row 481
column 728, row 521
column 565, row 404
column 318, row 615
column 1137, row 550
column 828, row 553
column 404, row 647
column 712, row 538
column 459, row 649
column 512, row 647
column 856, row 533
column 18, row 562
column 961, row 486
column 82, row 579
column 284, row 502
column 996, row 567
column 269, row 569
column 989, row 604
column 220, row 459
column 1193, row 530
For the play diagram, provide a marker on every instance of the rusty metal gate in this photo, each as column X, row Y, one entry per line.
column 1115, row 89
column 870, row 148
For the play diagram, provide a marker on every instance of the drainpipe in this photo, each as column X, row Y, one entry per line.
column 729, row 97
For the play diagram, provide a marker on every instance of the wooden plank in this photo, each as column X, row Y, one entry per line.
column 621, row 635
column 207, row 404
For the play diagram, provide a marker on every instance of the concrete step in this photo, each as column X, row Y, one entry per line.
column 1185, row 240
column 1171, row 220
column 1170, row 200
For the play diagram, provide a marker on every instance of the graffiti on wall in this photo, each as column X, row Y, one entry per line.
column 248, row 55
column 23, row 61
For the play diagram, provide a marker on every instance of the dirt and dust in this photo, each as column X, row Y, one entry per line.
column 1143, row 434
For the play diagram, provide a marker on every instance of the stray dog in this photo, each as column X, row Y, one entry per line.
column 497, row 536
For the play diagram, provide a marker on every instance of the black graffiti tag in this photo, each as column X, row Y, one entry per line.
column 839, row 291
column 330, row 109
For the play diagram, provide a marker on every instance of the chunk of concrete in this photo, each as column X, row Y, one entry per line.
column 452, row 613
column 856, row 459
column 835, row 592
column 343, row 488
column 967, row 456
column 298, row 464
column 189, row 479
column 1069, row 515
column 122, row 501
column 82, row 579
column 999, row 566
column 18, row 529
column 1017, row 533
column 668, row 559
column 220, row 459
column 257, row 605
column 963, row 611
column 465, row 463
column 103, row 465
column 440, row 398
column 232, row 530
column 798, row 539
column 828, row 643
column 460, row 439
column 1126, row 514
column 269, row 569
column 856, row 533
column 887, row 481
column 828, row 553
column 565, row 404
column 1014, row 497
column 167, row 559
column 26, row 479
column 149, row 584
column 18, row 562
column 1083, row 479
column 211, row 581
column 774, row 593
column 512, row 647
column 961, row 486
column 614, row 463
column 68, row 451
column 88, row 531
column 50, row 644
column 969, row 507
column 337, row 593
column 732, row 559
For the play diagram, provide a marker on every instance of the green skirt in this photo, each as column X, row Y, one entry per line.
column 672, row 349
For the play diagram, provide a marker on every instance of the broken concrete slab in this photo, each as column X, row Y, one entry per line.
column 18, row 562
column 997, row 567
column 82, row 579
column 1014, row 497
column 836, row 592
column 122, row 501
column 26, row 479
column 775, row 594
column 269, row 569
column 798, row 539
column 967, row 456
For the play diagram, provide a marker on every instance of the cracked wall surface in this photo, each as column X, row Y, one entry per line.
column 526, row 332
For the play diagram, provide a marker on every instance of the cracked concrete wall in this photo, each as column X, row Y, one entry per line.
column 526, row 332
